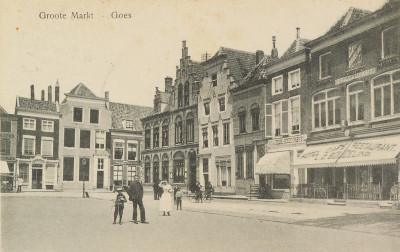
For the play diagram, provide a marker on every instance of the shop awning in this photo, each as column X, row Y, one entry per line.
column 369, row 151
column 274, row 163
column 4, row 167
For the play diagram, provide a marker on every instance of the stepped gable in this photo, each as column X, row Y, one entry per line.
column 121, row 111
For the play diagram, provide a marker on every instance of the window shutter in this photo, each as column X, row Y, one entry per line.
column 268, row 120
column 285, row 118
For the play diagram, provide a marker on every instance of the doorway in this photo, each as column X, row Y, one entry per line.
column 37, row 178
column 100, row 179
column 193, row 168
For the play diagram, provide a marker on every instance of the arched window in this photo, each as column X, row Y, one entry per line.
column 180, row 96
column 165, row 133
column 147, row 137
column 186, row 93
column 385, row 95
column 156, row 135
column 147, row 169
column 165, row 169
column 242, row 120
column 156, row 168
column 326, row 109
column 178, row 130
column 189, row 128
column 355, row 102
column 179, row 168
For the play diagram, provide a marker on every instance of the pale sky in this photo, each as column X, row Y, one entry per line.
column 130, row 57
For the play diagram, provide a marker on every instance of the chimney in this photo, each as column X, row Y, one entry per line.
column 274, row 51
column 298, row 32
column 50, row 93
column 168, row 84
column 57, row 92
column 259, row 56
column 184, row 49
column 42, row 95
column 32, row 92
column 107, row 95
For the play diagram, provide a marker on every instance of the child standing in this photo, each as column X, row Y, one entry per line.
column 119, row 206
column 178, row 198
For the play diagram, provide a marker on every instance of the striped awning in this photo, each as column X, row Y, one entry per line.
column 274, row 163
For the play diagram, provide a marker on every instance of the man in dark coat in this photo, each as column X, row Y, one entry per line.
column 135, row 192
column 156, row 190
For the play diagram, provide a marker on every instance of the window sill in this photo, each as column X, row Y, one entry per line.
column 326, row 128
column 277, row 93
column 294, row 88
column 356, row 123
column 385, row 118
column 29, row 129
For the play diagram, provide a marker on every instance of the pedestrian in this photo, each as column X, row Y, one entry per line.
column 165, row 200
column 19, row 184
column 135, row 192
column 160, row 190
column 155, row 190
column 197, row 191
column 209, row 189
column 175, row 189
column 178, row 198
column 119, row 206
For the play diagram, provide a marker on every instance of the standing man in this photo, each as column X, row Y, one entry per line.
column 135, row 192
column 19, row 184
column 155, row 190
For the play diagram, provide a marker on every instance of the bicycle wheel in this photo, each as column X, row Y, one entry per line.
column 192, row 197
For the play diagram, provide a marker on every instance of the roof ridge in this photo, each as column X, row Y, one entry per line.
column 129, row 104
column 237, row 50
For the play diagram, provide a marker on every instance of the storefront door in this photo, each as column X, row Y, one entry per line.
column 37, row 178
column 100, row 179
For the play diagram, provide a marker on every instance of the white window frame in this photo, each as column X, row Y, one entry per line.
column 123, row 148
column 392, row 114
column 290, row 79
column 290, row 114
column 95, row 139
column 23, row 144
column 127, row 149
column 348, row 94
column 48, row 122
column 83, row 114
column 100, row 165
column 209, row 107
column 280, row 120
column 273, row 85
column 382, row 41
column 320, row 68
column 125, row 121
column 224, row 136
column 205, row 130
column 326, row 111
column 30, row 121
column 219, row 106
column 90, row 114
column 52, row 146
column 218, row 132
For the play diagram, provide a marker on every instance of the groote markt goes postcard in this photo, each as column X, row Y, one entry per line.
column 204, row 125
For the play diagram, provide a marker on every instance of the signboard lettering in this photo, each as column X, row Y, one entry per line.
column 355, row 76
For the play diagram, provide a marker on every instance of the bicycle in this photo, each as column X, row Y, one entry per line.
column 203, row 197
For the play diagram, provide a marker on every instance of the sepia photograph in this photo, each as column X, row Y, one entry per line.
column 200, row 125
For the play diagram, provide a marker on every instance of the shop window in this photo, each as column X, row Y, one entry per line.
column 325, row 65
column 226, row 133
column 214, row 80
column 5, row 146
column 24, row 172
column 326, row 109
column 94, row 116
column 47, row 146
column 205, row 137
column 5, row 126
column 118, row 149
column 68, row 169
column 156, row 135
column 29, row 124
column 294, row 79
column 132, row 150
column 165, row 133
column 215, row 135
column 117, row 175
column 78, row 115
column 354, row 55
column 281, row 181
column 28, row 147
column 386, row 90
column 277, row 85
column 69, row 137
column 355, row 102
column 85, row 139
column 390, row 41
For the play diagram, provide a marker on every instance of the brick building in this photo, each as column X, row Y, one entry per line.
column 8, row 141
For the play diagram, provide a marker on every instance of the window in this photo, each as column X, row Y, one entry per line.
column 156, row 134
column 128, row 124
column 205, row 170
column 207, row 108
column 28, row 146
column 5, row 146
column 180, row 96
column 117, row 175
column 118, row 149
column 24, row 172
column 84, row 169
column 47, row 126
column 100, row 164
column 255, row 117
column 249, row 163
column 190, row 129
column 29, row 124
column 5, row 126
column 226, row 133
column 281, row 181
column 131, row 174
column 242, row 120
column 240, row 164
column 147, row 171
column 221, row 101
column 205, row 138
column 294, row 105
column 326, row 109
column 281, row 117
column 325, row 65
column 165, row 170
column 179, row 167
column 165, row 132
column 178, row 131
column 355, row 102
column 215, row 135
column 268, row 120
column 132, row 150
column 100, row 139
column 390, row 41
column 186, row 94
column 78, row 115
column 355, row 55
column 47, row 146
column 214, row 80
column 85, row 139
column 277, row 85
column 94, row 116
column 147, row 138
column 294, row 79
column 68, row 169
column 385, row 95
column 69, row 137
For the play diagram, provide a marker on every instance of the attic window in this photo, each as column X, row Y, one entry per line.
column 128, row 124
column 78, row 114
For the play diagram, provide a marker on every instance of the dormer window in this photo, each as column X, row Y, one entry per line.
column 128, row 124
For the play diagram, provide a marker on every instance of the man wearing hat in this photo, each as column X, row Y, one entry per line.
column 119, row 205
column 135, row 192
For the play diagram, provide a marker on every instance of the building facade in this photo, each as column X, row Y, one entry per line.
column 171, row 130
column 84, row 124
column 354, row 140
column 216, row 146
column 8, row 140
column 126, row 143
column 37, row 161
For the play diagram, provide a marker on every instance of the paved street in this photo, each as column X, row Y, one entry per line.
column 48, row 223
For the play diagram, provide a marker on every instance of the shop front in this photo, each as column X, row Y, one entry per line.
column 355, row 169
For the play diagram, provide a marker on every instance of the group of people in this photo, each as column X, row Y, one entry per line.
column 162, row 192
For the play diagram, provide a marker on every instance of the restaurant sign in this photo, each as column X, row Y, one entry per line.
column 355, row 76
